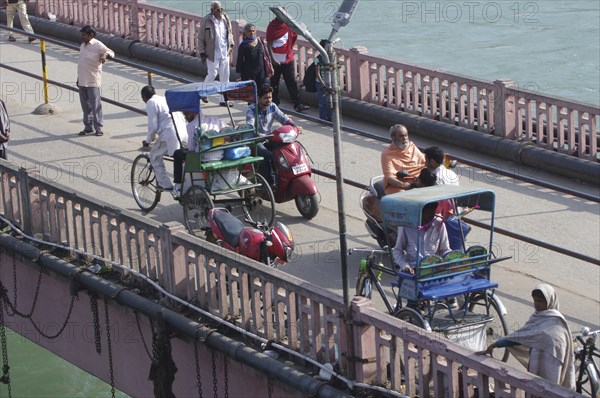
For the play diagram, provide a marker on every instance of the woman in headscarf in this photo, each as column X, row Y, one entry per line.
column 250, row 61
column 544, row 344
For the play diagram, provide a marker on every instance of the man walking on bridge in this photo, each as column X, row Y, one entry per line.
column 12, row 7
column 215, row 45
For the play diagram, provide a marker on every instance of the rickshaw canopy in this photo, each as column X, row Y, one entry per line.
column 403, row 209
column 186, row 98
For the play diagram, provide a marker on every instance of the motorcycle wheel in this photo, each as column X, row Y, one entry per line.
column 308, row 205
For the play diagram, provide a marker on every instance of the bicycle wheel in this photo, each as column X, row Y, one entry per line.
column 497, row 328
column 143, row 183
column 258, row 202
column 586, row 382
column 364, row 286
column 196, row 204
column 411, row 316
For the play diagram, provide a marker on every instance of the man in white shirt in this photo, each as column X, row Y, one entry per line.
column 215, row 45
column 92, row 54
column 434, row 160
column 431, row 238
column 161, row 131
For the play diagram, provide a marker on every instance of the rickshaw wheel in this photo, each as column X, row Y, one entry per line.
column 413, row 317
column 196, row 204
column 364, row 286
column 497, row 328
column 258, row 202
column 143, row 183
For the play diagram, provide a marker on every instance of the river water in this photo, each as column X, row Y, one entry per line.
column 547, row 46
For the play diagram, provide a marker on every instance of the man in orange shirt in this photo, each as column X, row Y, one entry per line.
column 402, row 155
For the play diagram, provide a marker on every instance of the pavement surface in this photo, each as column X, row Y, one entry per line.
column 100, row 166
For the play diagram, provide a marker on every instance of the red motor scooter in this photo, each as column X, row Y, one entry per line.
column 293, row 172
column 270, row 245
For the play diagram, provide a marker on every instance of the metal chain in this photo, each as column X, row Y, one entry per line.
column 6, row 300
column 13, row 306
column 225, row 377
column 94, row 305
column 214, row 375
column 5, row 368
column 270, row 386
column 137, row 320
column 14, row 265
column 108, row 345
column 198, row 380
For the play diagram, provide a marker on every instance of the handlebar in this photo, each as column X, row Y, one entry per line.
column 366, row 250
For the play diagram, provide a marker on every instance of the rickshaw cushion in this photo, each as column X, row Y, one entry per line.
column 237, row 152
column 454, row 286
column 225, row 164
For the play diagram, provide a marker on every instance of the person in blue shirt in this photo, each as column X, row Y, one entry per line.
column 267, row 114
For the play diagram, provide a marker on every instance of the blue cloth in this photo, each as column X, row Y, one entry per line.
column 454, row 236
column 186, row 98
column 324, row 110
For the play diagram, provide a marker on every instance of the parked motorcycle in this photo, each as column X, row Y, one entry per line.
column 293, row 172
column 270, row 245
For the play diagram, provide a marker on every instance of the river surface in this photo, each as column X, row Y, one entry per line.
column 544, row 46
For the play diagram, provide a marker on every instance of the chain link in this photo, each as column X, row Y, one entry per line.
column 5, row 378
column 14, row 266
column 6, row 300
column 225, row 377
column 94, row 305
column 198, row 380
column 270, row 386
column 214, row 375
column 13, row 306
column 137, row 320
column 108, row 345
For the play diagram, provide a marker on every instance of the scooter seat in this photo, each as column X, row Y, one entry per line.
column 231, row 227
column 379, row 188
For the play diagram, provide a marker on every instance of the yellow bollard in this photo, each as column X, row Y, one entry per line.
column 44, row 71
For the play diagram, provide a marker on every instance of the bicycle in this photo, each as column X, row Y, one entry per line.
column 210, row 180
column 586, row 368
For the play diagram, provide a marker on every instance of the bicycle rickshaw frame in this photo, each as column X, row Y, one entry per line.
column 461, row 274
column 254, row 194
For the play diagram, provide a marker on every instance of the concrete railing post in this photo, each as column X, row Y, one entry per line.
column 169, row 277
column 134, row 20
column 505, row 109
column 365, row 350
column 359, row 74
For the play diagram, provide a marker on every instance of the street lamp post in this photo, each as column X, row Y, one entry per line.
column 340, row 19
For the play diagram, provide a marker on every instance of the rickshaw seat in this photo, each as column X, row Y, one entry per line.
column 193, row 163
column 454, row 286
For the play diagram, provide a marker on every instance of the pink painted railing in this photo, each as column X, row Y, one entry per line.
column 275, row 306
column 489, row 107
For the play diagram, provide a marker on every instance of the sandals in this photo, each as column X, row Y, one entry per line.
column 85, row 132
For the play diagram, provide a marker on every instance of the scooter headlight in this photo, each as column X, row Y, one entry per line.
column 285, row 232
column 283, row 162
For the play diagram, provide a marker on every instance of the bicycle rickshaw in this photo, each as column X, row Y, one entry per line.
column 210, row 176
column 453, row 294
